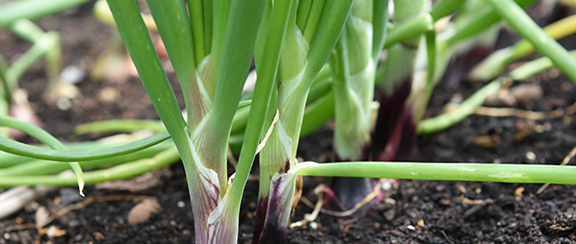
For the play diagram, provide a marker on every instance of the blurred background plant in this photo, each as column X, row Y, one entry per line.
column 17, row 16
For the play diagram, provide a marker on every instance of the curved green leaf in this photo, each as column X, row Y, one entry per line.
column 22, row 149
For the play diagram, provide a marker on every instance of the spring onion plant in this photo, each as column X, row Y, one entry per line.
column 211, row 45
column 313, row 29
column 353, row 64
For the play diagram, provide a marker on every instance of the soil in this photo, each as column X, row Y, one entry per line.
column 413, row 211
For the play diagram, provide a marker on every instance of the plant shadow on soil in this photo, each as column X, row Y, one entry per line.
column 414, row 212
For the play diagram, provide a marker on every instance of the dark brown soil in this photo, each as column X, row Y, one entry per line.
column 414, row 211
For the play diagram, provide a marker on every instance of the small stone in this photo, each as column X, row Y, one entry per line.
column 63, row 103
column 142, row 211
column 420, row 223
column 527, row 93
column 54, row 231
column 41, row 217
column 313, row 225
column 386, row 185
column 518, row 192
column 181, row 204
column 530, row 156
column 108, row 95
column 502, row 99
column 72, row 74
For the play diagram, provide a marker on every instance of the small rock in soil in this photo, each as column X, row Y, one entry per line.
column 108, row 95
column 142, row 211
column 72, row 74
column 502, row 99
column 54, row 231
column 526, row 94
column 41, row 217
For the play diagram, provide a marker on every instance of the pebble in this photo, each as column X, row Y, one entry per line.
column 530, row 156
column 109, row 95
column 41, row 217
column 63, row 103
column 313, row 225
column 526, row 93
column 386, row 185
column 54, row 231
column 72, row 74
column 142, row 211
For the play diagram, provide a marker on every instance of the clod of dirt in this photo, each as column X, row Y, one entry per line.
column 142, row 211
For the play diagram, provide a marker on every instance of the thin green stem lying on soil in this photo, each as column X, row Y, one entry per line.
column 508, row 173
